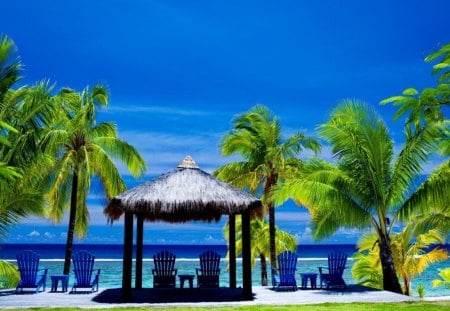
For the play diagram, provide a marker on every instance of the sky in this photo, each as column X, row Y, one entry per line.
column 179, row 71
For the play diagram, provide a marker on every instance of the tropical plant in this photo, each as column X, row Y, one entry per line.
column 84, row 149
column 10, row 65
column 367, row 186
column 366, row 269
column 444, row 280
column 9, row 276
column 260, row 247
column 421, row 290
column 412, row 254
column 267, row 158
column 420, row 205
column 442, row 67
column 427, row 109
column 428, row 105
column 21, row 194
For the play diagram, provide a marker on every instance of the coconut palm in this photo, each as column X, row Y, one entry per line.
column 84, row 149
column 260, row 233
column 267, row 158
column 411, row 253
column 368, row 185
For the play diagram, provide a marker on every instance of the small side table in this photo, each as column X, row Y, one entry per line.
column 312, row 277
column 64, row 278
column 188, row 277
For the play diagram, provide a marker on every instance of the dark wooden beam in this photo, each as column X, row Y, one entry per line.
column 139, row 250
column 127, row 257
column 232, row 249
column 246, row 256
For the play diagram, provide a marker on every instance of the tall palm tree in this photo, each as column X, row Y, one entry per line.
column 84, row 149
column 368, row 185
column 260, row 232
column 267, row 158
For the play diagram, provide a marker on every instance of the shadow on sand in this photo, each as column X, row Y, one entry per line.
column 163, row 295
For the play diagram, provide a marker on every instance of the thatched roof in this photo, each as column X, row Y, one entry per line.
column 185, row 194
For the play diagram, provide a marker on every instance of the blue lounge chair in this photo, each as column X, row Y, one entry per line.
column 83, row 268
column 164, row 273
column 209, row 271
column 336, row 266
column 283, row 277
column 30, row 275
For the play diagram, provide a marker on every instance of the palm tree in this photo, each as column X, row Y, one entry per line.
column 267, row 158
column 367, row 187
column 411, row 253
column 84, row 149
column 260, row 232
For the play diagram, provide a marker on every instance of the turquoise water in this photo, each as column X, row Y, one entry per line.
column 111, row 273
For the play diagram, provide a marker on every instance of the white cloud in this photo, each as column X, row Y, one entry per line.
column 49, row 235
column 33, row 234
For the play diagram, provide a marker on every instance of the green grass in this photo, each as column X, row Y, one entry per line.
column 410, row 306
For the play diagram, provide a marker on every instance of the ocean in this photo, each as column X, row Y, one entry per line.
column 109, row 260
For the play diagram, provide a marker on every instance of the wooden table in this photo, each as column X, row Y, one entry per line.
column 188, row 277
column 64, row 278
column 312, row 277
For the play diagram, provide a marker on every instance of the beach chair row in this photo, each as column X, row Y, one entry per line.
column 34, row 278
column 331, row 277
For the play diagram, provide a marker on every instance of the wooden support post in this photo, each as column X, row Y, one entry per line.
column 127, row 257
column 139, row 250
column 232, row 249
column 246, row 256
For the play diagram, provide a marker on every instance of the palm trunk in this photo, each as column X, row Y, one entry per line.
column 273, row 254
column 271, row 181
column 406, row 286
column 263, row 270
column 70, row 232
column 390, row 279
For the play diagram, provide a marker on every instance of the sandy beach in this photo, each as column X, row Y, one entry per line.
column 107, row 298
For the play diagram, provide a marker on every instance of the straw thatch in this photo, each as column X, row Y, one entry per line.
column 185, row 194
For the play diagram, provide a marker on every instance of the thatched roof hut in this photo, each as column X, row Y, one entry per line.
column 185, row 194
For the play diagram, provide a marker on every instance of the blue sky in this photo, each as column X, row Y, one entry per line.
column 178, row 71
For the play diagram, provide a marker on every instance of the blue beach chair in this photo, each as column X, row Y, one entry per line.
column 164, row 272
column 83, row 268
column 30, row 275
column 283, row 277
column 336, row 266
column 209, row 271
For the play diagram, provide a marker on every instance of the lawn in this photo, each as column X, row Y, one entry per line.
column 410, row 306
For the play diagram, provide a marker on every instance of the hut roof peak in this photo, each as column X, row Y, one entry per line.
column 188, row 162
